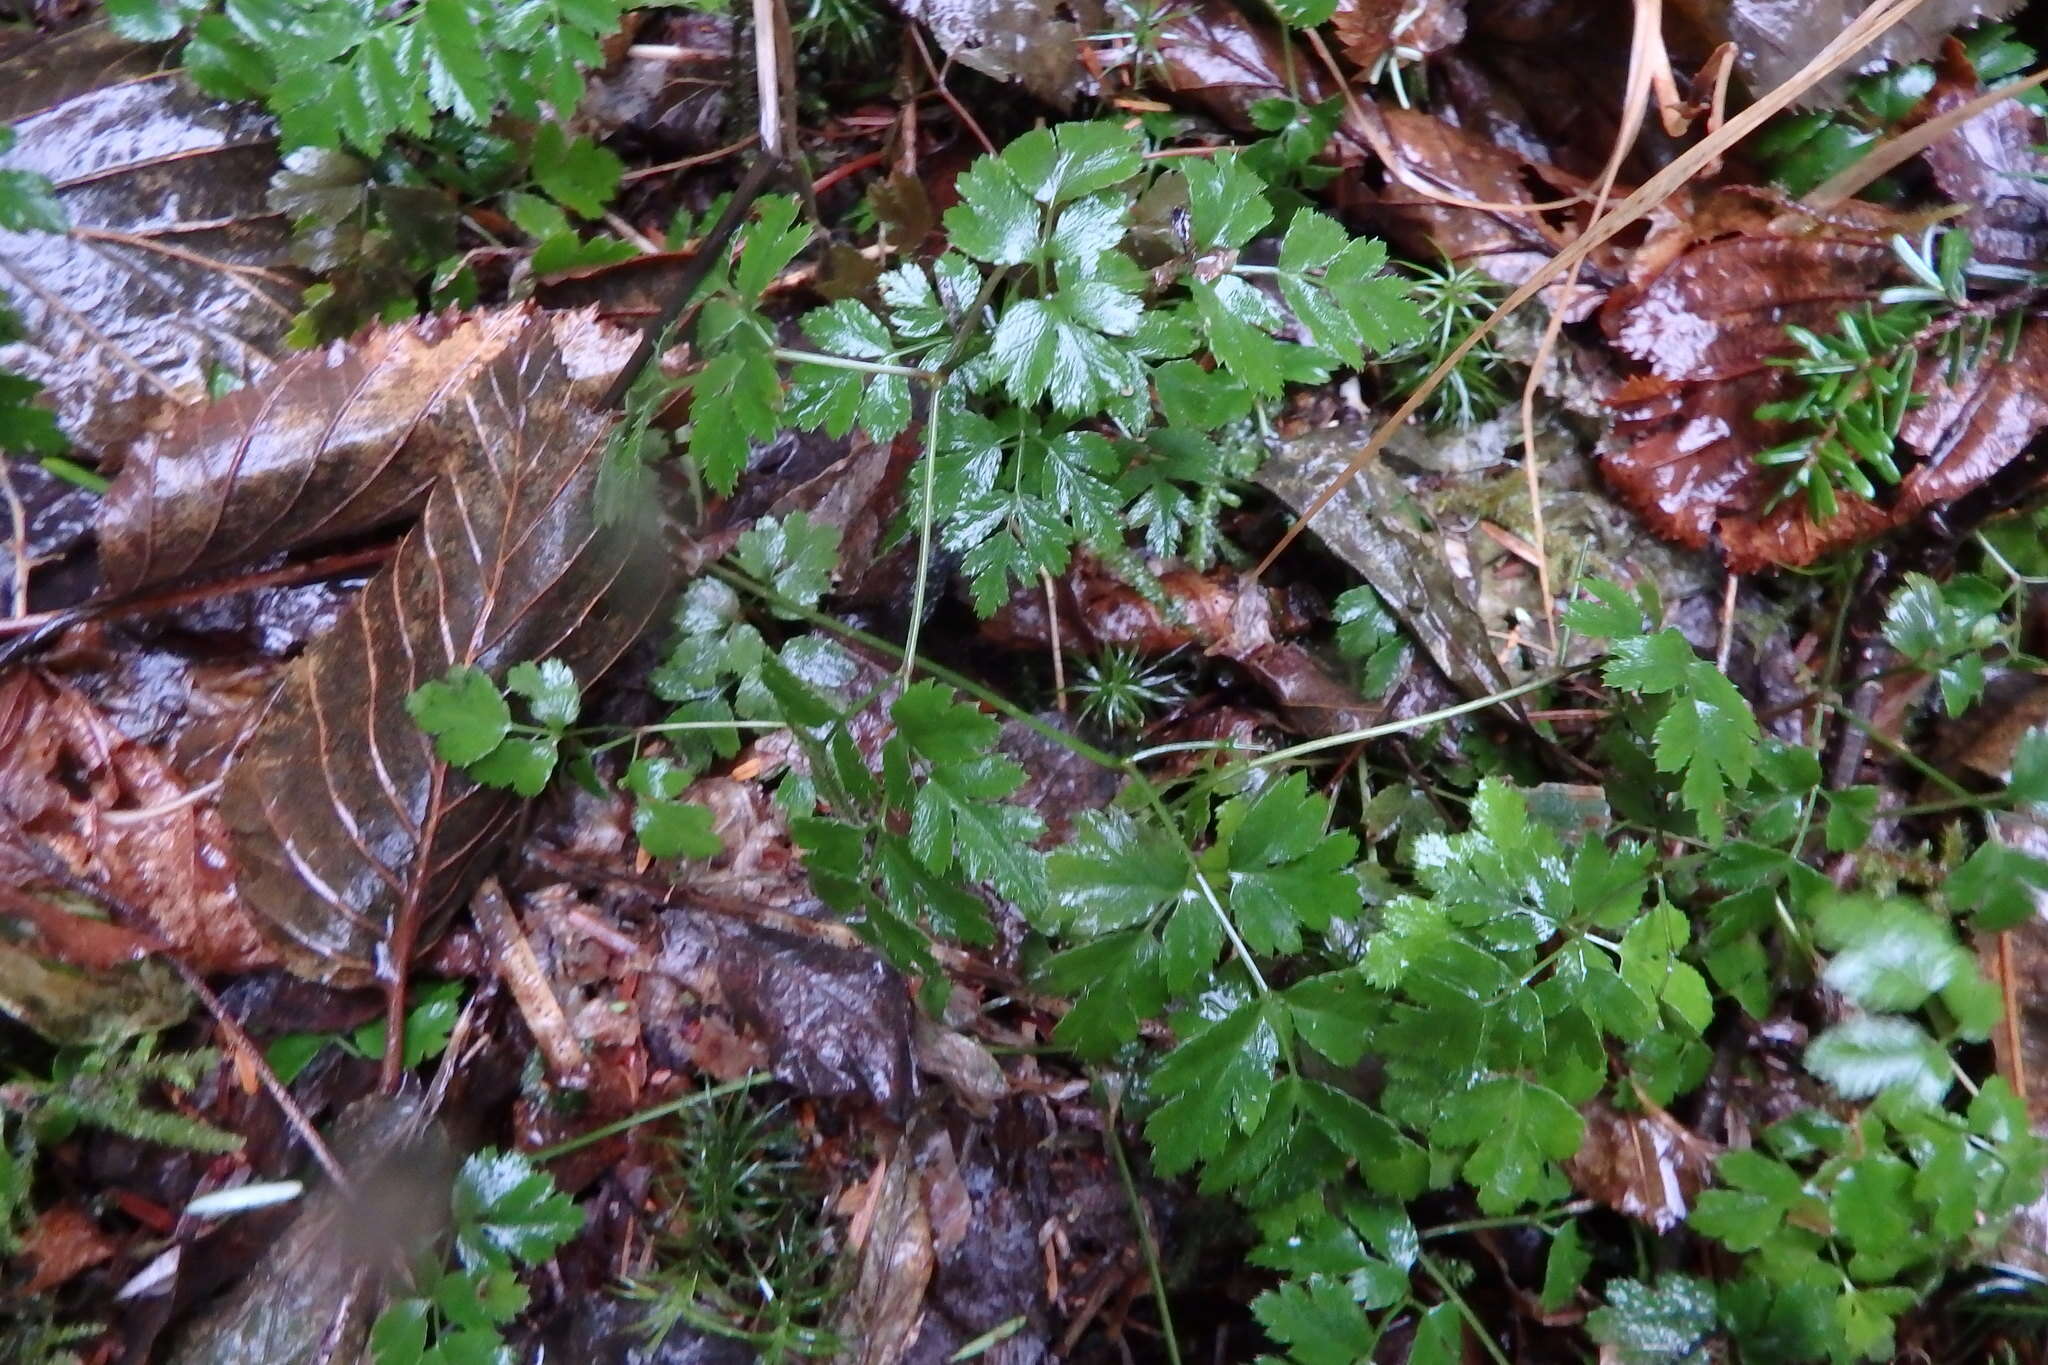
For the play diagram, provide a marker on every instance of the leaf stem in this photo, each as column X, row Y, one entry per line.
column 1143, row 1224
column 1464, row 1310
column 1396, row 727
column 1244, row 953
column 840, row 362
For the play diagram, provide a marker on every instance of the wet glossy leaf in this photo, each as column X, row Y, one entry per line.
column 1669, row 1323
column 1868, row 1054
column 173, row 266
column 509, row 563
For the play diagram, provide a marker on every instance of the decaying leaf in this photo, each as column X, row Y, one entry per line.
column 1774, row 38
column 64, row 1240
column 1647, row 1165
column 1404, row 563
column 1703, row 314
column 890, row 1243
column 1032, row 42
column 338, row 441
column 98, row 1008
column 117, row 816
column 1368, row 29
column 364, row 862
column 836, row 1020
column 1993, row 164
column 174, row 269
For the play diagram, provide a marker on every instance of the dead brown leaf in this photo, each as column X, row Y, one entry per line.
column 64, row 1240
column 174, row 267
column 1774, row 38
column 342, row 440
column 1648, row 1166
column 1367, row 29
column 1992, row 164
column 363, row 859
column 117, row 816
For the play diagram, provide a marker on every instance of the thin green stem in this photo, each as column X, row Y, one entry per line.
column 1144, row 1225
column 659, row 1111
column 1396, row 727
column 926, row 515
column 840, row 362
column 1443, row 1283
column 1244, row 954
column 1538, row 1219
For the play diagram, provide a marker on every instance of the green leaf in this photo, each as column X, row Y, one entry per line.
column 2029, row 781
column 1071, row 160
column 2000, row 886
column 523, row 763
column 1670, row 1323
column 676, row 829
column 1220, row 1080
column 793, row 555
column 1061, row 347
column 508, row 1212
column 1317, row 1321
column 1868, row 1054
column 1439, row 1337
column 29, row 203
column 1304, row 13
column 400, row 1334
column 459, row 75
column 1564, row 1270
column 148, row 21
column 996, row 220
column 1284, row 869
column 464, row 712
column 550, row 690
column 1612, row 614
column 579, row 175
column 1226, row 204
column 767, row 246
column 1114, row 873
column 1891, row 955
column 1514, row 1128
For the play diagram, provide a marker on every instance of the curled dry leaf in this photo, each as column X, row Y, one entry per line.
column 362, row 863
column 1647, row 1165
column 118, row 817
column 173, row 268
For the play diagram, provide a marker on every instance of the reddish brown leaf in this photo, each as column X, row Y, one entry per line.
column 1705, row 309
column 116, row 816
column 1365, row 29
column 64, row 1241
column 356, row 841
column 1967, row 432
column 338, row 441
column 1215, row 57
column 1992, row 164
column 174, row 267
column 1648, row 1166
column 1509, row 244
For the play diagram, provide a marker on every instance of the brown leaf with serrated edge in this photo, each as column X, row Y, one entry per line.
column 338, row 441
column 1366, row 29
column 356, row 841
column 1704, row 313
column 116, row 816
column 174, row 267
column 1968, row 431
